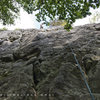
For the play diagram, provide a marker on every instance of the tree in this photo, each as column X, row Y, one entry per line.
column 68, row 10
column 9, row 9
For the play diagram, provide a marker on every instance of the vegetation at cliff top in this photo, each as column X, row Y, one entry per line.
column 68, row 10
column 3, row 29
column 95, row 17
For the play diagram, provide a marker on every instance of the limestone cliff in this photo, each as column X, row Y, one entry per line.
column 39, row 65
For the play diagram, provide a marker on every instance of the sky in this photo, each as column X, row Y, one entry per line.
column 27, row 21
column 88, row 18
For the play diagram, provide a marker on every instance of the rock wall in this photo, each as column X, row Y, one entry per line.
column 39, row 65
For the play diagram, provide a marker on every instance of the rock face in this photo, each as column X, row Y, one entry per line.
column 39, row 65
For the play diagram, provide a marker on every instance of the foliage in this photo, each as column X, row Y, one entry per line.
column 68, row 10
column 3, row 29
column 9, row 9
column 16, row 29
column 95, row 17
column 57, row 22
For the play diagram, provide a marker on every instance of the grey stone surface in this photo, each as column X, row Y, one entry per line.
column 39, row 65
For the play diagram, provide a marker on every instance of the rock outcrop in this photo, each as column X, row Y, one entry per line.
column 39, row 65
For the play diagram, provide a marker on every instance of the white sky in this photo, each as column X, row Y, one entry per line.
column 25, row 21
column 87, row 19
column 29, row 21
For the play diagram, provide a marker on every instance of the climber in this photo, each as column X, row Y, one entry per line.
column 41, row 25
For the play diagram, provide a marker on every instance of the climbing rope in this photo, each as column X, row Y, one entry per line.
column 80, row 68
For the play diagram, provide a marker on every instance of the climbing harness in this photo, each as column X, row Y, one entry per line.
column 80, row 68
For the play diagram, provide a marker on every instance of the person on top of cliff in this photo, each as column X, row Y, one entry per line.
column 41, row 25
